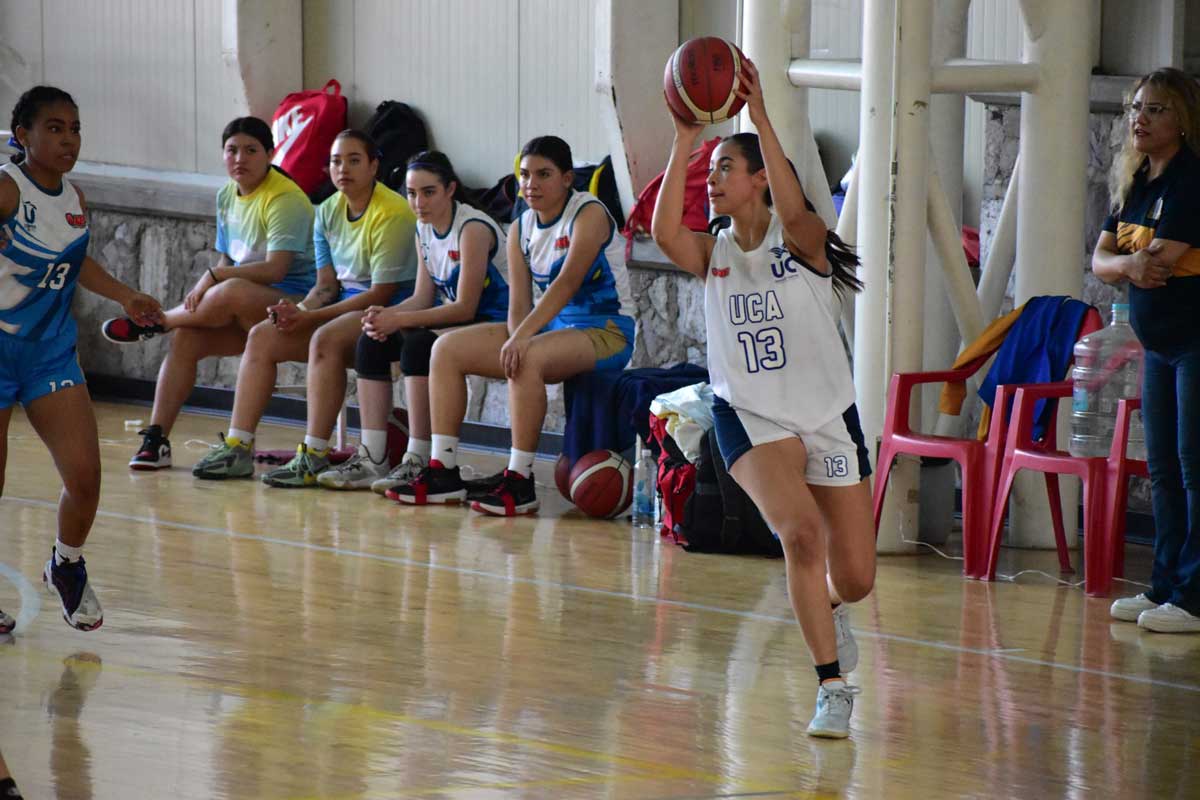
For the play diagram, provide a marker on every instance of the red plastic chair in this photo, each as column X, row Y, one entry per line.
column 1120, row 467
column 1102, row 476
column 979, row 461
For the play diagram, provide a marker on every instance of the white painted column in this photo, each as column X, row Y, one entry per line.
column 771, row 40
column 1052, row 200
column 261, row 49
column 871, row 330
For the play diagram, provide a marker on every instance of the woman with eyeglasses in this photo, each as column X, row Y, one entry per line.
column 1152, row 242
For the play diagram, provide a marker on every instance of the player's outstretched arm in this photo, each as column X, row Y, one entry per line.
column 687, row 249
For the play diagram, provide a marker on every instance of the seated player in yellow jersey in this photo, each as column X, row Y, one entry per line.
column 364, row 237
column 264, row 236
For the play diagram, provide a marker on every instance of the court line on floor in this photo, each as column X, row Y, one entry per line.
column 1002, row 653
column 31, row 598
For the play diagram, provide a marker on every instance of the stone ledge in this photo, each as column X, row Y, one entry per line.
column 1106, row 93
column 188, row 195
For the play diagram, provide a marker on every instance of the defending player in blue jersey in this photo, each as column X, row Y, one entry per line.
column 567, row 244
column 784, row 412
column 43, row 256
column 462, row 255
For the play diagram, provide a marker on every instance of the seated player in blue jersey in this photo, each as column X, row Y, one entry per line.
column 364, row 242
column 784, row 409
column 462, row 255
column 264, row 236
column 43, row 256
column 567, row 244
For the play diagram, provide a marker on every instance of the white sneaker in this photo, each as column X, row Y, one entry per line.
column 69, row 582
column 847, row 648
column 1168, row 619
column 1127, row 609
column 835, row 701
column 359, row 471
column 405, row 472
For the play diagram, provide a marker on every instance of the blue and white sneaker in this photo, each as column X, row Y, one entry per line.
column 69, row 581
column 835, row 701
column 847, row 648
column 7, row 623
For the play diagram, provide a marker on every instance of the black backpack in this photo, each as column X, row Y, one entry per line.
column 400, row 134
column 720, row 517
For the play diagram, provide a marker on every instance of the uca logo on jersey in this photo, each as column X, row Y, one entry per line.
column 720, row 272
column 786, row 266
column 76, row 220
column 29, row 214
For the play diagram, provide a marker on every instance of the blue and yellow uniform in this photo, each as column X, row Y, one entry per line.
column 276, row 216
column 378, row 246
column 442, row 253
column 603, row 307
column 42, row 247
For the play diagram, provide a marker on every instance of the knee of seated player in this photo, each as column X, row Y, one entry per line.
column 372, row 359
column 261, row 342
column 417, row 352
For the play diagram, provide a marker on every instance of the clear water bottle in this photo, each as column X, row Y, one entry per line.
column 1108, row 367
column 645, row 474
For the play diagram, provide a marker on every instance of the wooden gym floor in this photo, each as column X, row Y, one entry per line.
column 266, row 643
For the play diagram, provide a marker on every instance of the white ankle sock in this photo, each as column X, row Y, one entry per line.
column 245, row 437
column 521, row 462
column 376, row 444
column 445, row 450
column 420, row 447
column 65, row 552
column 315, row 444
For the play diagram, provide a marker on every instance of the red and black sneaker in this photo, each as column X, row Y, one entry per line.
column 434, row 484
column 155, row 452
column 513, row 495
column 479, row 488
column 123, row 330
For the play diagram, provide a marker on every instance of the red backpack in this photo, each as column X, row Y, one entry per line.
column 695, row 195
column 305, row 125
column 676, row 480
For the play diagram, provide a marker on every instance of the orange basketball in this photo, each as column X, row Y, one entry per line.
column 602, row 484
column 562, row 476
column 702, row 78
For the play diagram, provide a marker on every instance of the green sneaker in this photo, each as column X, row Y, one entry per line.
column 301, row 471
column 232, row 458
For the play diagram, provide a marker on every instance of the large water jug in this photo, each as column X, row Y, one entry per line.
column 1108, row 367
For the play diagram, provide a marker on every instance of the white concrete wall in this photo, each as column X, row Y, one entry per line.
column 156, row 80
column 486, row 76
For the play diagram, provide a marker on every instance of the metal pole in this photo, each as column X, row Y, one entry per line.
column 847, row 229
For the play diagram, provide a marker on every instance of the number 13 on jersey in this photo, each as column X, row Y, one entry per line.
column 55, row 277
column 763, row 349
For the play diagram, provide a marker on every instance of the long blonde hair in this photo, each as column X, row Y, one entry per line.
column 1184, row 92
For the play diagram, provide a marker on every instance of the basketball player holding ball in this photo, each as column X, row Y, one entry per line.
column 784, row 411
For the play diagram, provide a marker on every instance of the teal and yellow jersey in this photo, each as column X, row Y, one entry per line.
column 276, row 216
column 378, row 246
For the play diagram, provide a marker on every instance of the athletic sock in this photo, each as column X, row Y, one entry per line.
column 376, row 444
column 245, row 437
column 445, row 450
column 829, row 672
column 420, row 447
column 521, row 462
column 316, row 445
column 65, row 552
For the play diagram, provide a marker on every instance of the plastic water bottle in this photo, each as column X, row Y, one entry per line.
column 1108, row 367
column 645, row 474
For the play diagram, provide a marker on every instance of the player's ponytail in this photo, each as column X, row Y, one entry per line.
column 26, row 110
column 843, row 261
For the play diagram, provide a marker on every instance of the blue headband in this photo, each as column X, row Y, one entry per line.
column 13, row 142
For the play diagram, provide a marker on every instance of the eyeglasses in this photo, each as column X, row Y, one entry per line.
column 1153, row 110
